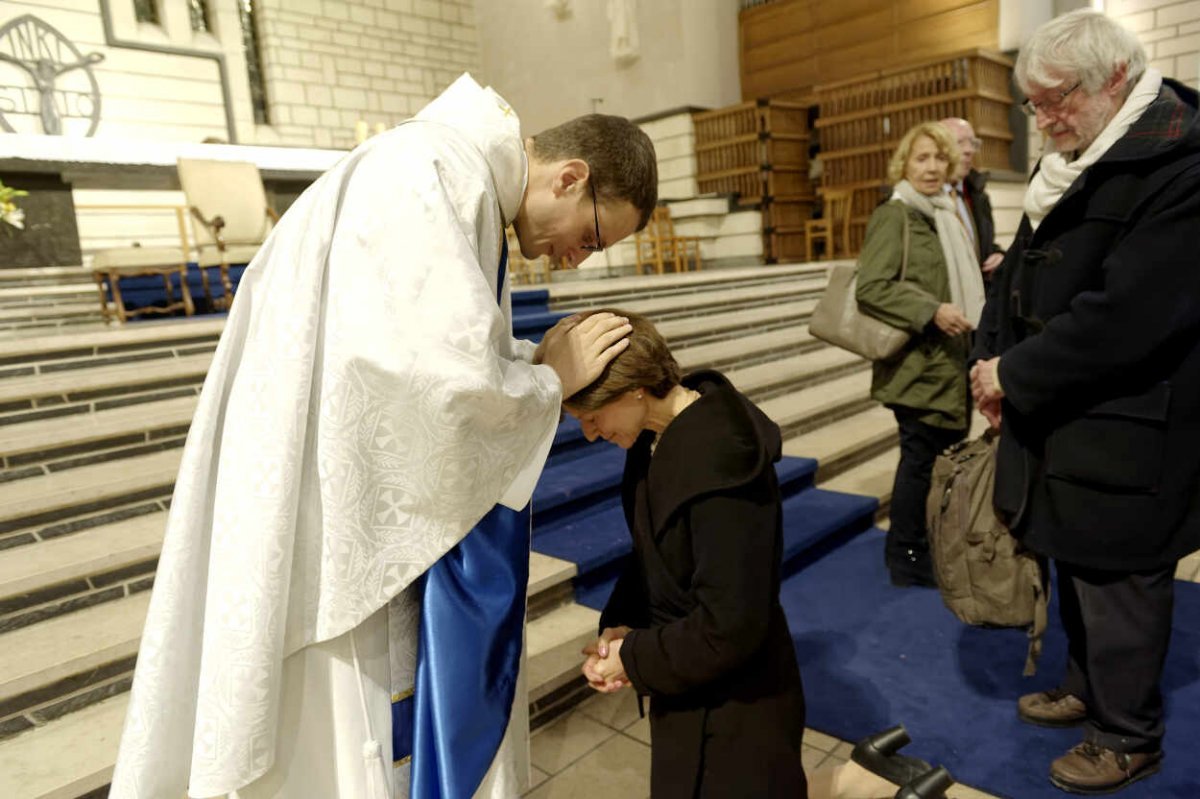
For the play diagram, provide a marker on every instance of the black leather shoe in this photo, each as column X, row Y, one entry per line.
column 879, row 754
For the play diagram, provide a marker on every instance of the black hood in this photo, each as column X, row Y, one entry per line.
column 720, row 441
column 1171, row 121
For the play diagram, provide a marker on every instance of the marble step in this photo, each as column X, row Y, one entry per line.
column 589, row 293
column 79, row 385
column 744, row 350
column 842, row 444
column 60, row 655
column 698, row 329
column 67, row 758
column 58, row 310
column 672, row 306
column 49, row 353
column 44, row 439
column 26, row 506
column 804, row 410
column 30, row 574
column 794, row 373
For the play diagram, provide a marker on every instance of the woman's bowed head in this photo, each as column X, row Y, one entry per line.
column 638, row 390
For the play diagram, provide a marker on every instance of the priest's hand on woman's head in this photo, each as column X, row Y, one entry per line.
column 579, row 350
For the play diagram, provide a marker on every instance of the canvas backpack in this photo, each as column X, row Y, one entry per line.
column 985, row 576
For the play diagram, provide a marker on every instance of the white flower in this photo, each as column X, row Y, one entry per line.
column 14, row 216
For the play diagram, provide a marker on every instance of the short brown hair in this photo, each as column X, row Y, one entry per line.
column 619, row 154
column 940, row 135
column 647, row 363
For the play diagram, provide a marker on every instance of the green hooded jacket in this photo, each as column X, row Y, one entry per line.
column 930, row 373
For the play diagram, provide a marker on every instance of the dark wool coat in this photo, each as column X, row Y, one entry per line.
column 1096, row 317
column 980, row 205
column 711, row 646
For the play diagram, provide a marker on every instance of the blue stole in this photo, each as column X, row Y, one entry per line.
column 468, row 653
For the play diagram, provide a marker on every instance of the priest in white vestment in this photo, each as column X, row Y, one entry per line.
column 351, row 512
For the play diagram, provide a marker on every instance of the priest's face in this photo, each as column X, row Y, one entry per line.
column 618, row 422
column 561, row 218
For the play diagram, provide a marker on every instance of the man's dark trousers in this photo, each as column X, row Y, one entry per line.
column 1118, row 626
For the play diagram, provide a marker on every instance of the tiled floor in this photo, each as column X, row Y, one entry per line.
column 603, row 742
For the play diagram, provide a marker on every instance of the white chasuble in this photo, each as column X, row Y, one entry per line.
column 366, row 407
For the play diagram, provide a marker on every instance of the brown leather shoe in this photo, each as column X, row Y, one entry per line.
column 1093, row 769
column 1053, row 708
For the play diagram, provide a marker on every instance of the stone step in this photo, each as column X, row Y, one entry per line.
column 847, row 442
column 791, row 374
column 67, row 758
column 50, row 389
column 732, row 352
column 43, row 664
column 589, row 293
column 46, row 439
column 820, row 404
column 58, row 310
column 697, row 329
column 33, row 766
column 672, row 306
column 51, row 353
column 39, row 575
column 29, row 506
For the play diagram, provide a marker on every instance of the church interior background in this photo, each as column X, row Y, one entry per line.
column 112, row 297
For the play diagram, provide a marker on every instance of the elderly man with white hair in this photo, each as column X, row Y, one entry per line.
column 1088, row 360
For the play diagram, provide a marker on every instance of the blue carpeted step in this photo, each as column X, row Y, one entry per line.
column 816, row 521
column 530, row 300
column 589, row 540
column 569, row 488
column 533, row 324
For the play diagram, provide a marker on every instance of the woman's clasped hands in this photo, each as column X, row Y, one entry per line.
column 603, row 668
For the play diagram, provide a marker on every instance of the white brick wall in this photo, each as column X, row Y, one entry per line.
column 327, row 64
column 1170, row 30
column 330, row 63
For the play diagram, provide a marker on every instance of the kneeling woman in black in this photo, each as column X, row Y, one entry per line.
column 694, row 622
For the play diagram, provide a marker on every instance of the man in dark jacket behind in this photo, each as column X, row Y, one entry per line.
column 968, row 189
column 1088, row 359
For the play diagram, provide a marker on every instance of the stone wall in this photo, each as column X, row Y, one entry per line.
column 330, row 63
column 1170, row 30
column 326, row 64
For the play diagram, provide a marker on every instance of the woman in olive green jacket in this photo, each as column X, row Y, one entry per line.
column 938, row 300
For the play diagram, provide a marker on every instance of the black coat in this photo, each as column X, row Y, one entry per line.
column 1096, row 317
column 980, row 205
column 711, row 646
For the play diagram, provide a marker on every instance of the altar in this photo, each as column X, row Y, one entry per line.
column 86, row 194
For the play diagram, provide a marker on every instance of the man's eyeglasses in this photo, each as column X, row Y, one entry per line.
column 1049, row 106
column 974, row 142
column 599, row 245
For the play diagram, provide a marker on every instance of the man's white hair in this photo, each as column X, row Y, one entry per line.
column 1084, row 43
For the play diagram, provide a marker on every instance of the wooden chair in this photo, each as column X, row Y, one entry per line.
column 114, row 263
column 229, row 203
column 833, row 226
column 657, row 245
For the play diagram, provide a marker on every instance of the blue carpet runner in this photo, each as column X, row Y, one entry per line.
column 872, row 656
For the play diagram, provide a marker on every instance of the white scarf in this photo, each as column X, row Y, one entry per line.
column 1057, row 173
column 962, row 264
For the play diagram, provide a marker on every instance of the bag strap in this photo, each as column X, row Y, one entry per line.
column 904, row 255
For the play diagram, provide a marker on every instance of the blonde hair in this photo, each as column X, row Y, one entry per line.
column 941, row 137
